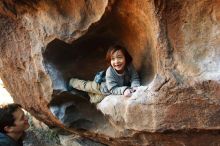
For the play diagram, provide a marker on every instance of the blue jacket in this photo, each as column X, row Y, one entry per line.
column 8, row 141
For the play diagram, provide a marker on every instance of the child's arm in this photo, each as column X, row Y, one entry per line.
column 113, row 86
column 112, row 82
column 135, row 81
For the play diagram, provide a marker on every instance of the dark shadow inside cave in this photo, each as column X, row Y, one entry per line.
column 83, row 58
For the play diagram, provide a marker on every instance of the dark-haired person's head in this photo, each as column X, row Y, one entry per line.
column 118, row 57
column 115, row 48
column 13, row 121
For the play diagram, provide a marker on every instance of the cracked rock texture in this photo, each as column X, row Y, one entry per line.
column 175, row 47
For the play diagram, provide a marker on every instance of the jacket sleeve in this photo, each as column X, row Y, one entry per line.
column 135, row 81
column 112, row 83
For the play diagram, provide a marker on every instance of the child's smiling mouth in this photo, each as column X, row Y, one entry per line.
column 119, row 65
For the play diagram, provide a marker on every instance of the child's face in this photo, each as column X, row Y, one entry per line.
column 118, row 61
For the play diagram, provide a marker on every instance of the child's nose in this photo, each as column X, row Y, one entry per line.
column 116, row 60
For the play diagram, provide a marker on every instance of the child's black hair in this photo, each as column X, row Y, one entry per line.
column 113, row 49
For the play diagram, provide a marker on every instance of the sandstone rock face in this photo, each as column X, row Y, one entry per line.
column 175, row 48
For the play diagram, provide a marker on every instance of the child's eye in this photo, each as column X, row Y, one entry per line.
column 120, row 57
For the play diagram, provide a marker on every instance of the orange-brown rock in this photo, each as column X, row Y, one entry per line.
column 175, row 47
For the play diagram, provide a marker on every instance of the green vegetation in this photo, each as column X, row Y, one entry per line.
column 40, row 135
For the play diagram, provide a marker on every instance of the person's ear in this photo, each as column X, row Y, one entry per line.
column 8, row 129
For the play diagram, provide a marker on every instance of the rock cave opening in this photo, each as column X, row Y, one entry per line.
column 85, row 56
column 82, row 59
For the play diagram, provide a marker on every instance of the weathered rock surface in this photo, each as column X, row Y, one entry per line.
column 175, row 47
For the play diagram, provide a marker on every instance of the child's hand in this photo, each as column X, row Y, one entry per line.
column 127, row 92
column 134, row 89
